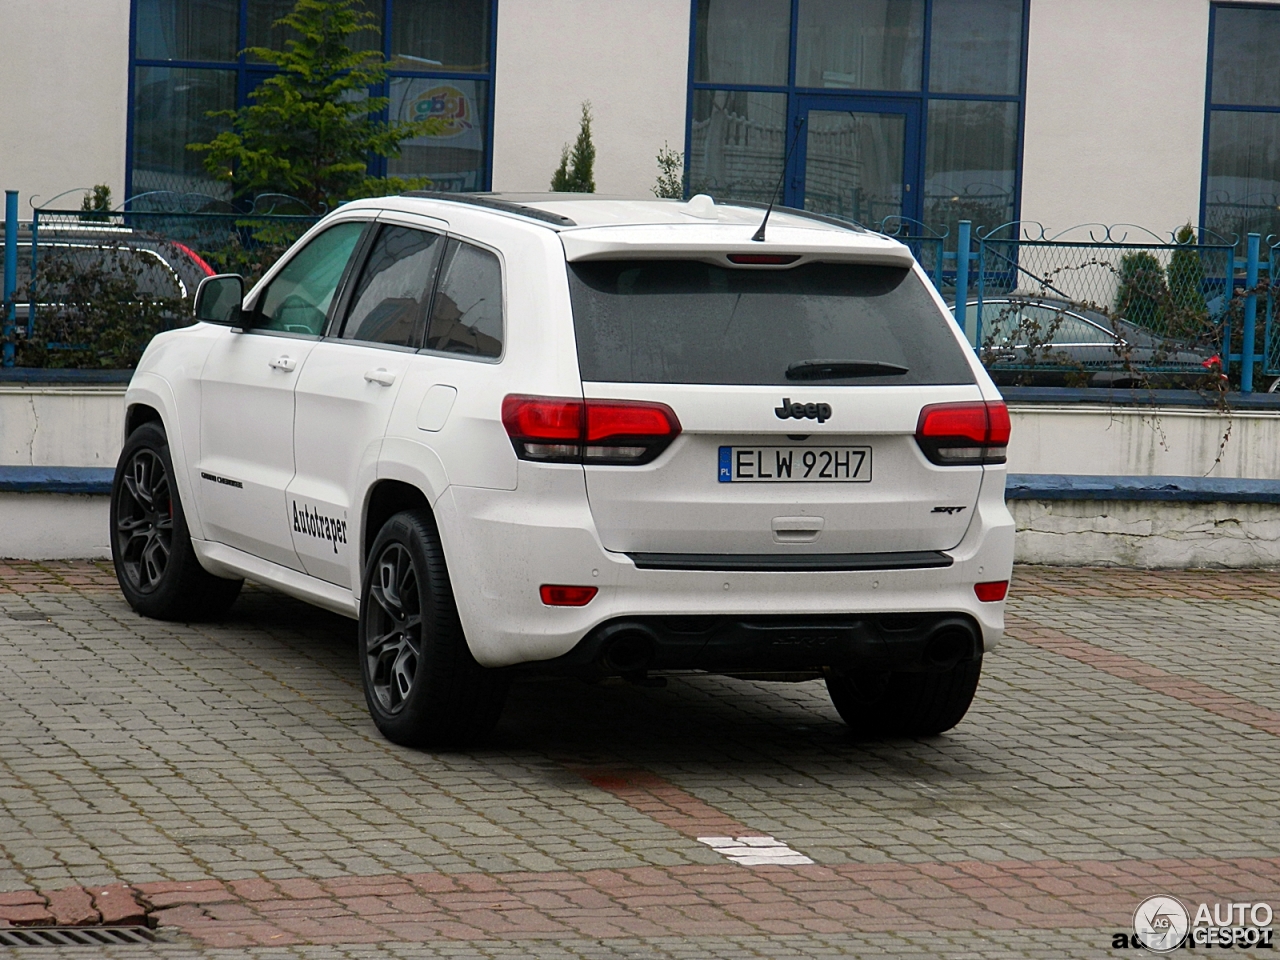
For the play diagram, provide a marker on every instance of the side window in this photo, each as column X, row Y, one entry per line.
column 466, row 316
column 298, row 299
column 394, row 292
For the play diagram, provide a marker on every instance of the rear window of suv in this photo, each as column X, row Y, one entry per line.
column 686, row 321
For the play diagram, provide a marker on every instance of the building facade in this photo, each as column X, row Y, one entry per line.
column 1149, row 112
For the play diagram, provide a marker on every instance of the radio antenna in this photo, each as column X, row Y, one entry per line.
column 758, row 236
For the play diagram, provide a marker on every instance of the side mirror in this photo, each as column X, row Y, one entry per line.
column 218, row 299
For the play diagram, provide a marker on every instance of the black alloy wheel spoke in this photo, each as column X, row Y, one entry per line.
column 394, row 626
column 144, row 520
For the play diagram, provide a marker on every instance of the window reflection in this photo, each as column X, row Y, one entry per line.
column 860, row 44
column 453, row 158
column 737, row 143
column 187, row 29
column 975, row 46
column 1242, row 189
column 743, row 41
column 1245, row 42
column 970, row 164
column 170, row 110
column 440, row 35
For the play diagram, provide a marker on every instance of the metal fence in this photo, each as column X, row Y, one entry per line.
column 85, row 278
column 92, row 287
column 1198, row 296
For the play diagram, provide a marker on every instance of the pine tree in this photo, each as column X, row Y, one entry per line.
column 310, row 129
column 576, row 173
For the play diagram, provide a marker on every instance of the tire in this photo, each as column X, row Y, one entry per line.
column 156, row 565
column 880, row 705
column 421, row 683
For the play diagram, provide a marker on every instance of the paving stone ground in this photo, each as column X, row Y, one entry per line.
column 226, row 782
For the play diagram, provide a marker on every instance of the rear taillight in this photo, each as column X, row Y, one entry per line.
column 951, row 434
column 558, row 430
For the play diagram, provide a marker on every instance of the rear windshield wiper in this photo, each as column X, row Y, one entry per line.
column 839, row 369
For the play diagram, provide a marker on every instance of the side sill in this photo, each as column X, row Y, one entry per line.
column 222, row 560
column 792, row 563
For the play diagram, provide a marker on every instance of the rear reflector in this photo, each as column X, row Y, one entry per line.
column 561, row 430
column 987, row 592
column 763, row 259
column 951, row 434
column 560, row 596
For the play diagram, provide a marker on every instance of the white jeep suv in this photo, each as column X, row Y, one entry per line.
column 584, row 436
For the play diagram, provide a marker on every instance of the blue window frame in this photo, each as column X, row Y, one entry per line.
column 186, row 58
column 909, row 108
column 1240, row 172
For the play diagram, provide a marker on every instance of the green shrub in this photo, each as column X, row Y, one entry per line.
column 1143, row 291
column 576, row 173
column 670, row 182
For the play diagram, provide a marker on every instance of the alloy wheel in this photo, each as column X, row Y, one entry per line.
column 393, row 649
column 144, row 521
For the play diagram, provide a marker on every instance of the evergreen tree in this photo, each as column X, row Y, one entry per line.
column 576, row 173
column 1143, row 292
column 310, row 129
column 1186, row 284
column 670, row 182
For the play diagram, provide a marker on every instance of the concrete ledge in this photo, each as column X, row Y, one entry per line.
column 95, row 480
column 1140, row 398
column 54, row 526
column 1056, row 486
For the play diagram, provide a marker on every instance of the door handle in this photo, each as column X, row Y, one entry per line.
column 287, row 364
column 381, row 375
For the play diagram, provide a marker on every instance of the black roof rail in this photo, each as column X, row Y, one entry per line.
column 493, row 203
column 796, row 212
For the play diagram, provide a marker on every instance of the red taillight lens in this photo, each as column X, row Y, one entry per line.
column 992, row 591
column 560, row 596
column 960, row 433
column 559, row 430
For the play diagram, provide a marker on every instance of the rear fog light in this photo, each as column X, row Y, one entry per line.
column 990, row 592
column 554, row 595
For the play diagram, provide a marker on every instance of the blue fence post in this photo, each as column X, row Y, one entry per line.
column 1250, row 314
column 35, row 253
column 962, row 275
column 10, row 271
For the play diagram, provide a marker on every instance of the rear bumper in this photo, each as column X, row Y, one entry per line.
column 771, row 644
column 502, row 545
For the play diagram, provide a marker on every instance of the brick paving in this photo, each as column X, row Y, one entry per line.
column 226, row 781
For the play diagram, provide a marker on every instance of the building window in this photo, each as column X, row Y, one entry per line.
column 189, row 58
column 1242, row 124
column 889, row 108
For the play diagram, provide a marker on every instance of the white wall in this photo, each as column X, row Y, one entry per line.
column 630, row 58
column 1115, row 112
column 64, row 70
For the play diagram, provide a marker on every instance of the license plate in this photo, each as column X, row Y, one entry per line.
column 795, row 464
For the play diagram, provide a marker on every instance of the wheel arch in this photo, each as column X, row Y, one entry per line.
column 385, row 499
column 150, row 399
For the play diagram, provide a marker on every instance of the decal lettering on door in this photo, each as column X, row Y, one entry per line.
column 313, row 523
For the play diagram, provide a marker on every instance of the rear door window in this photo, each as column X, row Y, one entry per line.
column 685, row 321
column 466, row 316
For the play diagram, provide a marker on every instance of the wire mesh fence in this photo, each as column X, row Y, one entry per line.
column 96, row 286
column 1099, row 310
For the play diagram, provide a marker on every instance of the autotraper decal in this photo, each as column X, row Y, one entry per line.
column 315, row 524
